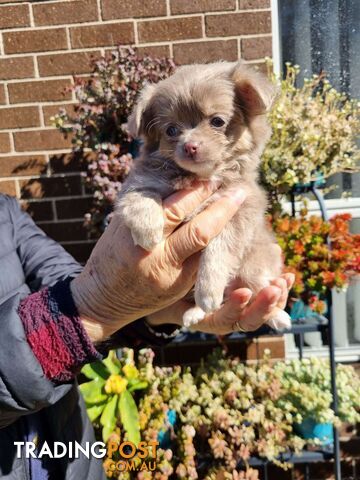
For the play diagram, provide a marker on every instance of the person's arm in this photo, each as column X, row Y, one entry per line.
column 42, row 318
column 46, row 262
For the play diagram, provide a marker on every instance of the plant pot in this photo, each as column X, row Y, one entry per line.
column 301, row 311
column 310, row 429
column 165, row 435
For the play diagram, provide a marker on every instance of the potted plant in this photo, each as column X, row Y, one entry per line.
column 227, row 411
column 307, row 386
column 109, row 395
column 314, row 135
column 317, row 265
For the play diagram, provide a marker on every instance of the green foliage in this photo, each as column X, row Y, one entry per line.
column 108, row 396
column 226, row 411
column 315, row 130
column 307, row 386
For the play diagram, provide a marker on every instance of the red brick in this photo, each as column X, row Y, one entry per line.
column 170, row 30
column 12, row 16
column 253, row 48
column 249, row 4
column 35, row 40
column 112, row 9
column 4, row 143
column 80, row 251
column 205, row 51
column 60, row 13
column 40, row 140
column 8, row 187
column 66, row 63
column 197, row 6
column 39, row 91
column 39, row 211
column 102, row 35
column 73, row 209
column 22, row 165
column 50, row 187
column 243, row 23
column 2, row 94
column 19, row 117
column 51, row 110
column 16, row 67
column 158, row 51
column 70, row 162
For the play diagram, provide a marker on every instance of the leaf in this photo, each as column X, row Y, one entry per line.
column 106, row 432
column 92, row 391
column 139, row 385
column 108, row 417
column 130, row 417
column 112, row 363
column 95, row 411
column 95, row 370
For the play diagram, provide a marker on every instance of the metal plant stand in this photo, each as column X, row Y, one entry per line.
column 312, row 188
column 299, row 328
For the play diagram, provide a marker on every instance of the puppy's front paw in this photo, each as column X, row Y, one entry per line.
column 147, row 237
column 279, row 320
column 208, row 301
column 193, row 316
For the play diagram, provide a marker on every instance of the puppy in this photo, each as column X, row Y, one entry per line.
column 206, row 122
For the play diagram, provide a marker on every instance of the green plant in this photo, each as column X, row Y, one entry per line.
column 108, row 395
column 315, row 131
column 317, row 265
column 307, row 386
column 227, row 411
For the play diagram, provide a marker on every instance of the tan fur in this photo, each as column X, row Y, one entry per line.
column 243, row 253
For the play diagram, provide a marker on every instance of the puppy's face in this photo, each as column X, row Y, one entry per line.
column 204, row 114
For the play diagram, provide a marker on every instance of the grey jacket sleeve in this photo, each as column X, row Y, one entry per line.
column 23, row 386
column 44, row 261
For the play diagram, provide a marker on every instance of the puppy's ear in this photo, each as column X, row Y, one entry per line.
column 255, row 94
column 142, row 113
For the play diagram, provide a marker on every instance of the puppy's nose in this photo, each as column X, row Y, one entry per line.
column 191, row 148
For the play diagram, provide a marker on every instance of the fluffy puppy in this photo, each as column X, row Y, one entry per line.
column 206, row 122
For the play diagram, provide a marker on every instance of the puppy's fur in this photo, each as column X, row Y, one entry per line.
column 206, row 122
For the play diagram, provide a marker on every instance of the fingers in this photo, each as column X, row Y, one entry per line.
column 256, row 313
column 282, row 285
column 290, row 279
column 181, row 204
column 196, row 234
column 250, row 316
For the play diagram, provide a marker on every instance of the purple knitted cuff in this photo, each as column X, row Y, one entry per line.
column 55, row 333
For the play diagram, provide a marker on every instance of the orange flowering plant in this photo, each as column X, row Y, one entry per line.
column 321, row 254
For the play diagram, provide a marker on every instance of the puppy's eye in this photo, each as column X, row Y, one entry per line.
column 172, row 131
column 217, row 122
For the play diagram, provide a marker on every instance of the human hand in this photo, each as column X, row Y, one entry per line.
column 122, row 282
column 240, row 309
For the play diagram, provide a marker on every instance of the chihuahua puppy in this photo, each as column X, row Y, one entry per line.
column 206, row 122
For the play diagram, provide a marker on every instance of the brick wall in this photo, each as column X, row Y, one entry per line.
column 42, row 44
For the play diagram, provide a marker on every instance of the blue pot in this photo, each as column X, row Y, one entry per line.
column 164, row 435
column 301, row 311
column 319, row 182
column 309, row 428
